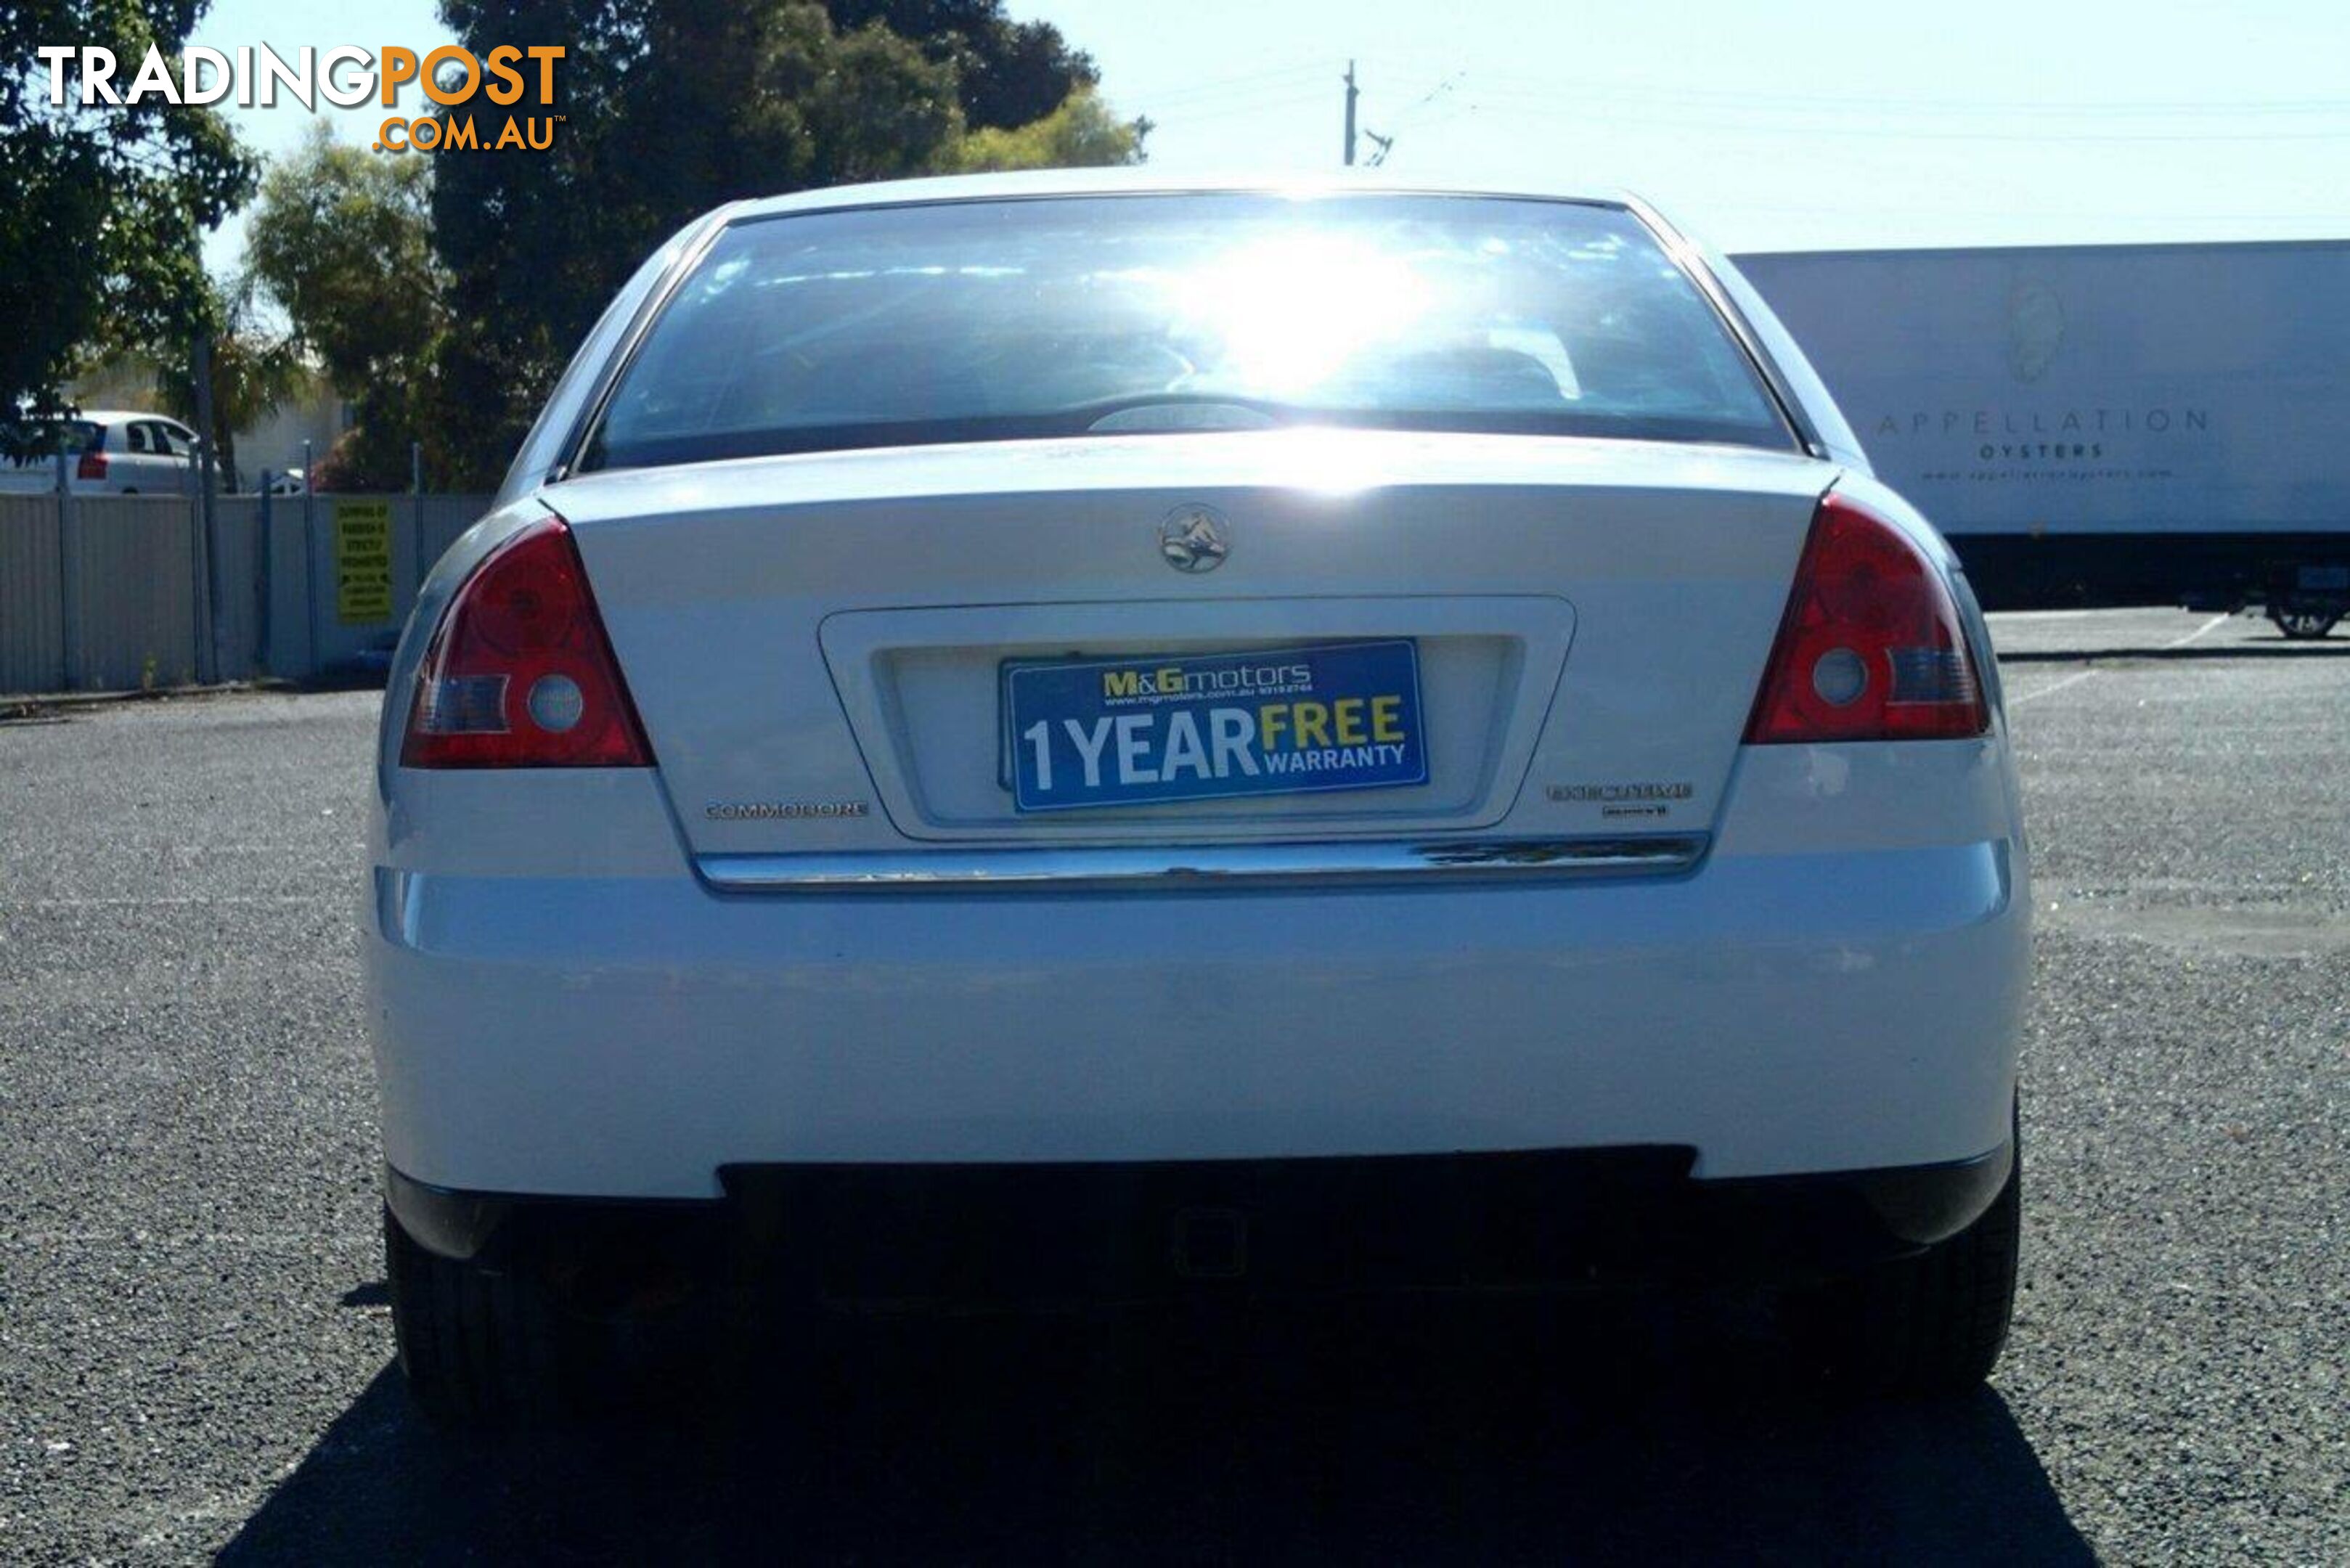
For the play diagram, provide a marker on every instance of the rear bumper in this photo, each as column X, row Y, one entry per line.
column 1777, row 1014
column 1094, row 1232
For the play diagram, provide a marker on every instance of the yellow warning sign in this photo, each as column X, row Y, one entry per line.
column 362, row 561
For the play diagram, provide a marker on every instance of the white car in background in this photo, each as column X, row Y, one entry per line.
column 1081, row 735
column 115, row 451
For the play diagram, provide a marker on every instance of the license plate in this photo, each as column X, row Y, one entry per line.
column 1193, row 726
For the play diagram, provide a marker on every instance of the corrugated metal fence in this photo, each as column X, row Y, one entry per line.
column 108, row 592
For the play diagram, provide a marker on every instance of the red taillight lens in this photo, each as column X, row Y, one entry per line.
column 520, row 673
column 1871, row 648
column 91, row 466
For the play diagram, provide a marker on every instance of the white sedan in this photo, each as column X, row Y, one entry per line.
column 1081, row 735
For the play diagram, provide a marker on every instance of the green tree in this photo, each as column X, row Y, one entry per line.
column 342, row 242
column 673, row 107
column 1007, row 73
column 1081, row 134
column 104, row 206
column 255, row 368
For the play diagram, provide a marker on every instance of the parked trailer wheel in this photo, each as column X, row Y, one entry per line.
column 2304, row 625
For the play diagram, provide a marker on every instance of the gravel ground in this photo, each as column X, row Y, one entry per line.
column 194, row 1353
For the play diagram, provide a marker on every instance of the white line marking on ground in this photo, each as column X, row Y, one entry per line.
column 2218, row 620
column 308, row 1240
column 2001, row 618
column 173, row 901
column 2074, row 679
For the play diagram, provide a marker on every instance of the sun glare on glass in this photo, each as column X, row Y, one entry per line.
column 1289, row 311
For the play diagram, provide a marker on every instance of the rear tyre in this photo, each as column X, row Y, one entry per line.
column 2304, row 625
column 478, row 1348
column 1927, row 1326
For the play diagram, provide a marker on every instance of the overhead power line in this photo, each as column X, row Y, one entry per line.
column 1243, row 85
column 1228, row 111
column 1879, row 131
column 1492, row 83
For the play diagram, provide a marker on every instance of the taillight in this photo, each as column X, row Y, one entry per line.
column 91, row 466
column 1871, row 648
column 520, row 673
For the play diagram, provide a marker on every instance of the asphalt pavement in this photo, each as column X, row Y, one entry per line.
column 195, row 1352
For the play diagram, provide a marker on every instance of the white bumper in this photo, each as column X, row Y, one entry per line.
column 1838, row 987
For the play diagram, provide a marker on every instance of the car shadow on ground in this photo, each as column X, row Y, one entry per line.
column 1481, row 1433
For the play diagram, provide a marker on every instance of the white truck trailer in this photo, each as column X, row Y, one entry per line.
column 2102, row 424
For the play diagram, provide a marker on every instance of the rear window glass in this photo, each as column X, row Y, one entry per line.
column 27, row 444
column 1009, row 320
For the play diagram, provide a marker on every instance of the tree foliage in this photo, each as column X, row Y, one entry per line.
column 255, row 368
column 1007, row 73
column 1081, row 134
column 675, row 107
column 342, row 240
column 102, row 209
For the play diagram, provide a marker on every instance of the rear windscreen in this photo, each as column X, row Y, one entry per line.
column 29, row 444
column 1069, row 315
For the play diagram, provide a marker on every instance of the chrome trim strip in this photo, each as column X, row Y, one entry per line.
column 1091, row 867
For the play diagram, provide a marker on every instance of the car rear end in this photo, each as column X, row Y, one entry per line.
column 1268, row 810
column 30, row 456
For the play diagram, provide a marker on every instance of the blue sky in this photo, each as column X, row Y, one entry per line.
column 1760, row 126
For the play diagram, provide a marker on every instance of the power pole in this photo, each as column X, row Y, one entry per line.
column 1351, row 96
